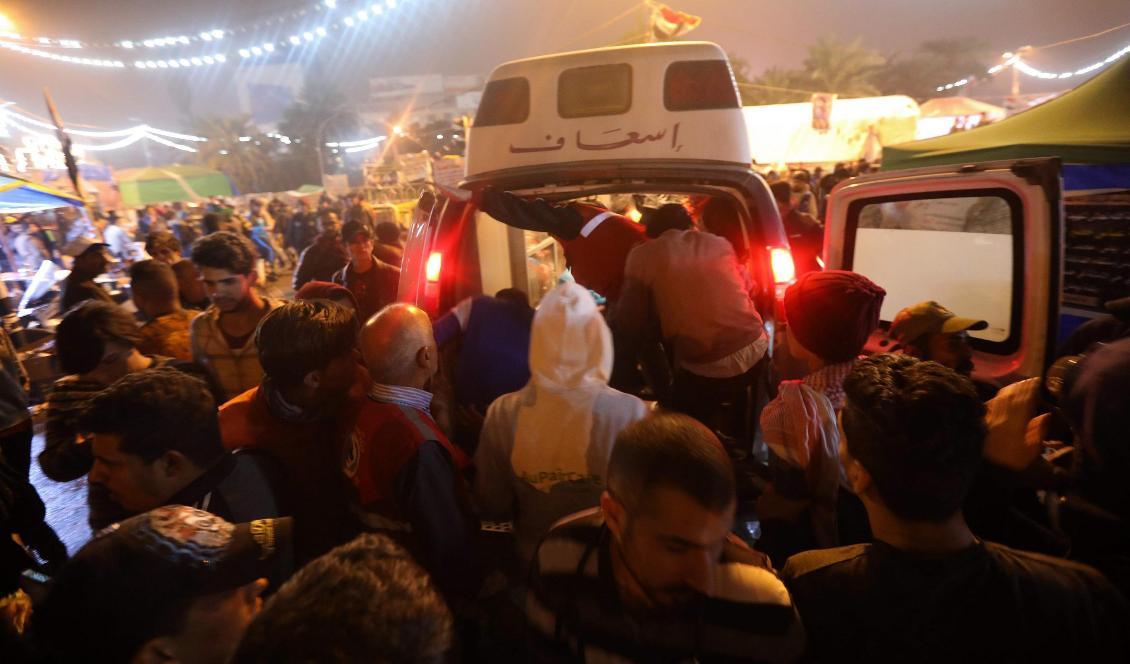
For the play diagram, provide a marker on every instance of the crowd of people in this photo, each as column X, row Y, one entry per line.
column 340, row 477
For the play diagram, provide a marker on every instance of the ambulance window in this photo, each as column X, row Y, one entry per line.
column 505, row 101
column 698, row 85
column 545, row 261
column 963, row 251
column 584, row 92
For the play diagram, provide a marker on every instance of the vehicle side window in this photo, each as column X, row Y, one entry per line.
column 698, row 85
column 545, row 261
column 505, row 101
column 963, row 250
column 584, row 92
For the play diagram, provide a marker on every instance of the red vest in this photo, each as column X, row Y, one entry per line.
column 385, row 438
column 597, row 255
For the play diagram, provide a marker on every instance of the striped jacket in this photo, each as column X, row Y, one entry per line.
column 236, row 370
column 575, row 613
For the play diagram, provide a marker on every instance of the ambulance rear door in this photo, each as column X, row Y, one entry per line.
column 984, row 240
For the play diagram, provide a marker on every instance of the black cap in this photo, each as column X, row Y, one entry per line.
column 352, row 229
column 135, row 579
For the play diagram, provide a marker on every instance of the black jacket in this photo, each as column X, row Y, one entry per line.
column 321, row 260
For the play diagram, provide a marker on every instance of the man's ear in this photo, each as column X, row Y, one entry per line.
column 858, row 477
column 154, row 651
column 172, row 463
column 424, row 357
column 614, row 514
column 312, row 379
column 253, row 278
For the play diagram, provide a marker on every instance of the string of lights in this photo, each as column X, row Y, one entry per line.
column 1016, row 61
column 333, row 20
column 129, row 136
column 175, row 41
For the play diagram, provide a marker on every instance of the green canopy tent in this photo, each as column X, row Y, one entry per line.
column 161, row 184
column 1088, row 126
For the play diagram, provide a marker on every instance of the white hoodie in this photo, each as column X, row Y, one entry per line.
column 544, row 449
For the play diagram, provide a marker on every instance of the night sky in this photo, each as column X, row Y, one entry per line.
column 471, row 36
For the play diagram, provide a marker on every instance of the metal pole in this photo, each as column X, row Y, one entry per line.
column 318, row 150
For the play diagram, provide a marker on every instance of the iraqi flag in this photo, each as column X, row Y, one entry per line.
column 667, row 23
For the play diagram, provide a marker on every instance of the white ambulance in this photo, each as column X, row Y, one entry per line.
column 658, row 120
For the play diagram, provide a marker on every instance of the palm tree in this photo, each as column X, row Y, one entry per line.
column 933, row 63
column 247, row 162
column 322, row 113
column 778, row 86
column 843, row 68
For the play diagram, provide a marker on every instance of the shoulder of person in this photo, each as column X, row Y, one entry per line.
column 204, row 318
column 629, row 404
column 822, row 560
column 1058, row 573
column 566, row 541
column 505, row 407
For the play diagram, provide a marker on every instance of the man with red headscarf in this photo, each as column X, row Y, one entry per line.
column 830, row 316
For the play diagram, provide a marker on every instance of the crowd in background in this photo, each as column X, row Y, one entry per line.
column 565, row 483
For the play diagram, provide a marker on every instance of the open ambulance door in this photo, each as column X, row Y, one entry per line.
column 984, row 240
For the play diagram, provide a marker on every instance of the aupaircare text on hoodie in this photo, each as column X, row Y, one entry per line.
column 544, row 449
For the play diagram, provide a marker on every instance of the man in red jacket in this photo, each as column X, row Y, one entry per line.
column 302, row 413
column 596, row 241
column 407, row 475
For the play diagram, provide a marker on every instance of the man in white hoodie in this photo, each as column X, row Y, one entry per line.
column 544, row 449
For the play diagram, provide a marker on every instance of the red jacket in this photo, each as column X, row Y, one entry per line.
column 597, row 255
column 310, row 453
column 385, row 438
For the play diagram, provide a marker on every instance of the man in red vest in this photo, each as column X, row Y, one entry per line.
column 301, row 415
column 596, row 241
column 408, row 476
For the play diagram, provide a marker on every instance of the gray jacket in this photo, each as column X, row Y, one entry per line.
column 13, row 384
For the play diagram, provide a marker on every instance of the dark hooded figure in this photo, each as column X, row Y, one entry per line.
column 1096, row 513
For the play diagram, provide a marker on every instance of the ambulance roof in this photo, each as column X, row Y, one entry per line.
column 668, row 101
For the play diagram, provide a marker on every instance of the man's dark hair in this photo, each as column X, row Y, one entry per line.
column 67, row 626
column 82, row 335
column 918, row 428
column 670, row 451
column 514, row 296
column 157, row 411
column 782, row 191
column 225, row 250
column 303, row 336
column 388, row 232
column 211, row 222
column 158, row 240
column 720, row 217
column 154, row 280
column 671, row 216
column 365, row 601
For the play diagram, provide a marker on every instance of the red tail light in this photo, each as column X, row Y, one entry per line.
column 433, row 267
column 781, row 259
